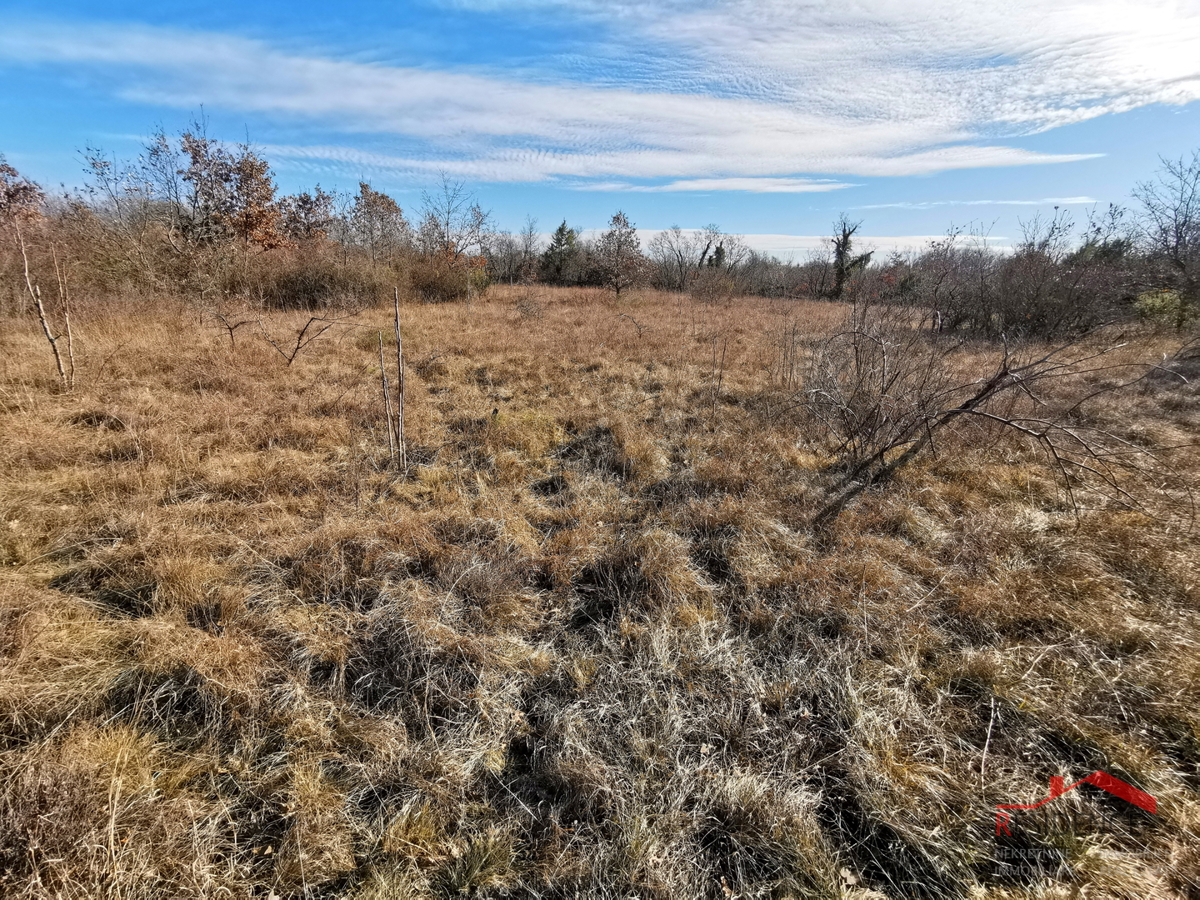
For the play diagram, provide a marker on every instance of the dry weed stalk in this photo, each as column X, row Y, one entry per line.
column 400, row 439
column 397, row 445
column 785, row 366
column 641, row 329
column 718, row 372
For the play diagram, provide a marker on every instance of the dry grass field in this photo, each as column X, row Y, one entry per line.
column 588, row 645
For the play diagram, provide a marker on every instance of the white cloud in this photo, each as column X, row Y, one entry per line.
column 1023, row 63
column 752, row 95
column 750, row 185
column 931, row 204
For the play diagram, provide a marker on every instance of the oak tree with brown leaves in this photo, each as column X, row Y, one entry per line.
column 619, row 255
column 20, row 198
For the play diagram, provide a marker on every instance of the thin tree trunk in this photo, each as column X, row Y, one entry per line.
column 36, row 294
column 64, row 298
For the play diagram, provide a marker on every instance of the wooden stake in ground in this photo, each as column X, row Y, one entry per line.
column 400, row 385
column 387, row 403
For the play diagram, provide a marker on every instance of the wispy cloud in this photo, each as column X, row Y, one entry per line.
column 750, row 95
column 751, row 185
column 580, row 170
column 988, row 67
column 932, row 204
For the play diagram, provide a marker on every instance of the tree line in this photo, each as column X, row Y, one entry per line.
column 196, row 216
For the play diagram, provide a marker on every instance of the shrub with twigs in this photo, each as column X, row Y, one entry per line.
column 885, row 392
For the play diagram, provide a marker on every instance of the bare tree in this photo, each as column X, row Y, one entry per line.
column 1170, row 227
column 677, row 255
column 514, row 257
column 453, row 224
column 122, row 217
column 21, row 208
column 20, row 198
column 307, row 217
column 66, row 370
column 454, row 239
column 503, row 252
column 197, row 191
column 531, row 248
column 20, row 204
column 230, row 195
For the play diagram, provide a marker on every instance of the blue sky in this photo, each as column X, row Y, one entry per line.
column 767, row 118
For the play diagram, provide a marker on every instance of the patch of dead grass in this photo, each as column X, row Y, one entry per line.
column 586, row 646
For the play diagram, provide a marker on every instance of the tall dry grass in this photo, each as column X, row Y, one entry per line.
column 589, row 645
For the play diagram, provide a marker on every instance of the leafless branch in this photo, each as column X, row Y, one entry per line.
column 230, row 326
column 304, row 336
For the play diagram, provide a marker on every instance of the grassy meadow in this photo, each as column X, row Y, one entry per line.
column 588, row 644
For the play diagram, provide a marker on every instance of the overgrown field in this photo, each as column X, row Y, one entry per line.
column 588, row 645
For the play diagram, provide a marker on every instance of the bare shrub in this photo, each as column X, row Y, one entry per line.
column 288, row 340
column 1051, row 285
column 451, row 241
column 884, row 391
column 444, row 278
column 873, row 384
column 314, row 280
column 712, row 285
column 530, row 308
column 1170, row 231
